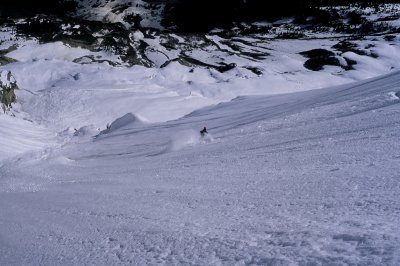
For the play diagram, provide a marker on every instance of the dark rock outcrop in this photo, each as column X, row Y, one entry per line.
column 8, row 85
column 4, row 60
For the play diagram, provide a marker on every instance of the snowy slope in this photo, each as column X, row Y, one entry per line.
column 59, row 95
column 101, row 162
column 293, row 179
column 19, row 136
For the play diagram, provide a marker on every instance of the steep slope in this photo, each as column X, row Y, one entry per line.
column 57, row 95
column 101, row 160
column 301, row 178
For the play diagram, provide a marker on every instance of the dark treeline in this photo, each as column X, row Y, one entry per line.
column 199, row 15
column 204, row 14
column 26, row 8
column 190, row 15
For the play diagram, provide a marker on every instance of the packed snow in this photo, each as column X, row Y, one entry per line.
column 105, row 165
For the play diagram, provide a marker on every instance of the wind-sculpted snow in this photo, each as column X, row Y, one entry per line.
column 19, row 136
column 308, row 178
column 123, row 121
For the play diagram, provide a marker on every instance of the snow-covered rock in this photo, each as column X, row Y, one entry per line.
column 8, row 85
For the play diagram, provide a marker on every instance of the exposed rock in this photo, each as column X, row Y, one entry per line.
column 4, row 60
column 7, row 87
column 346, row 46
column 255, row 70
column 131, row 30
column 318, row 58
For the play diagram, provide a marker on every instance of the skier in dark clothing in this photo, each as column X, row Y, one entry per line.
column 203, row 132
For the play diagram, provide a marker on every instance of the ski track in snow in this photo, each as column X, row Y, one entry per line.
column 308, row 178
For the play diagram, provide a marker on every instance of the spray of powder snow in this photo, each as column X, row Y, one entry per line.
column 188, row 138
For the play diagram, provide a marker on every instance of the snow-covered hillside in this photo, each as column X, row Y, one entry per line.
column 301, row 178
column 102, row 161
column 59, row 93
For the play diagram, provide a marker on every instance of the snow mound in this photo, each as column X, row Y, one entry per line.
column 86, row 131
column 394, row 95
column 57, row 50
column 123, row 121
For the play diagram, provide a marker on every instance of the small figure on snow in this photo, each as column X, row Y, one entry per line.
column 203, row 132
